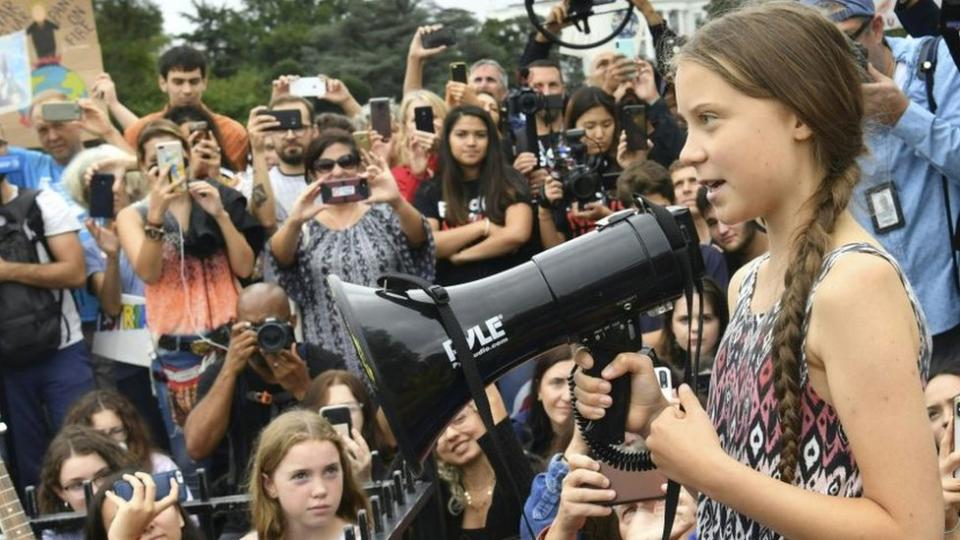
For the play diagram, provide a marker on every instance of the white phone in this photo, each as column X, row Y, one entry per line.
column 665, row 379
column 309, row 87
column 171, row 154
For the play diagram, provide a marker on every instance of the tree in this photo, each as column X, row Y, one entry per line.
column 131, row 33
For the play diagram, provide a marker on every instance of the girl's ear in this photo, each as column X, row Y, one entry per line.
column 801, row 131
column 269, row 487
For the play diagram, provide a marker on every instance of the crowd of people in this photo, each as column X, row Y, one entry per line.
column 817, row 156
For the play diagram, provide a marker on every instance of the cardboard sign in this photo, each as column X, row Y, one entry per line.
column 125, row 338
column 56, row 42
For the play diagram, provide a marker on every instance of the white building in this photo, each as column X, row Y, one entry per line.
column 682, row 16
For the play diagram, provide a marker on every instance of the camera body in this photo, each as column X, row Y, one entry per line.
column 581, row 176
column 526, row 101
column 274, row 335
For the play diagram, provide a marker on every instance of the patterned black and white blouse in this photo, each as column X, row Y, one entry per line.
column 374, row 245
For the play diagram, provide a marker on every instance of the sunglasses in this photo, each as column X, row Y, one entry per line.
column 347, row 161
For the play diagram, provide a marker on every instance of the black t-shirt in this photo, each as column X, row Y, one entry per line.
column 248, row 412
column 43, row 37
column 429, row 201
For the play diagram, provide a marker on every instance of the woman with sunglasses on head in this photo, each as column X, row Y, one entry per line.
column 357, row 240
column 477, row 204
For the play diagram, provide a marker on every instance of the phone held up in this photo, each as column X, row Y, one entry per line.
column 380, row 117
column 339, row 417
column 633, row 118
column 423, row 118
column 344, row 190
column 170, row 154
column 288, row 118
column 458, row 72
column 101, row 196
column 60, row 112
column 438, row 38
column 309, row 87
column 124, row 489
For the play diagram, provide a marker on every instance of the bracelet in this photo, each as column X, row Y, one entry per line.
column 486, row 227
column 954, row 529
column 152, row 232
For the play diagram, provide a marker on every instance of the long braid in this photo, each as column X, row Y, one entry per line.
column 809, row 248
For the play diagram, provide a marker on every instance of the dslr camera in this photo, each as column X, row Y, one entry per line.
column 274, row 336
column 580, row 174
column 528, row 102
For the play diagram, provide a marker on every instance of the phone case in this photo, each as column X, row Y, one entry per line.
column 101, row 196
column 423, row 118
column 626, row 47
column 124, row 489
column 171, row 154
column 380, row 117
column 634, row 120
column 633, row 486
column 362, row 138
column 288, row 118
column 344, row 190
column 443, row 36
column 339, row 417
column 458, row 72
column 60, row 112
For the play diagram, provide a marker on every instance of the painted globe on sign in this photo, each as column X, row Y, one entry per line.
column 59, row 78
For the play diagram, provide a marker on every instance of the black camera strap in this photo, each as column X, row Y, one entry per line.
column 468, row 364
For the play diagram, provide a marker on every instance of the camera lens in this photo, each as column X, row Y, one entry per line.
column 273, row 337
column 584, row 186
column 528, row 103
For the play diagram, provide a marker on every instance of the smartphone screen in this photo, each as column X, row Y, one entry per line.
column 666, row 381
column 634, row 120
column 423, row 118
column 309, row 87
column 124, row 490
column 101, row 196
column 380, row 117
column 171, row 154
column 458, row 72
column 339, row 417
column 344, row 190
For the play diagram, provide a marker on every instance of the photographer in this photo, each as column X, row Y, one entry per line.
column 911, row 176
column 263, row 373
column 544, row 79
column 573, row 203
column 206, row 157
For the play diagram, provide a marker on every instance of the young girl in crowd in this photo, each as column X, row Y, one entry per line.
column 357, row 241
column 302, row 486
column 76, row 455
column 339, row 387
column 476, row 204
column 674, row 341
column 414, row 152
column 814, row 426
column 477, row 496
column 113, row 415
column 190, row 242
column 549, row 419
column 111, row 517
column 561, row 216
column 942, row 388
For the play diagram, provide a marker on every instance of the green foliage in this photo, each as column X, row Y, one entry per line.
column 235, row 95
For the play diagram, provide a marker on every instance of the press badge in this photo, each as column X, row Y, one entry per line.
column 884, row 205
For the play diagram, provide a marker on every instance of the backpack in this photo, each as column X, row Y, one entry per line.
column 29, row 316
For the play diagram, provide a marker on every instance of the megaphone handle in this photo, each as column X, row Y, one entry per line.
column 611, row 427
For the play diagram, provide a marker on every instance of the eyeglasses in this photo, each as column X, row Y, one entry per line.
column 346, row 162
column 859, row 31
column 77, row 485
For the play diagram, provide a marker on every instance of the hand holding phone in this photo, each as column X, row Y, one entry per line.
column 633, row 118
column 309, row 87
column 380, row 119
column 170, row 154
column 423, row 118
column 289, row 119
column 125, row 488
column 339, row 417
column 101, row 196
column 458, row 72
column 442, row 37
column 60, row 112
column 344, row 190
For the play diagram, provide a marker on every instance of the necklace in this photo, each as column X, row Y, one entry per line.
column 488, row 494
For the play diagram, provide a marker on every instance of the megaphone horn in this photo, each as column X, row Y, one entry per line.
column 631, row 263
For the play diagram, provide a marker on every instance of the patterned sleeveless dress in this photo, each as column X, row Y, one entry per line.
column 743, row 407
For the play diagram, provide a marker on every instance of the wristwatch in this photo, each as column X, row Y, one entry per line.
column 153, row 232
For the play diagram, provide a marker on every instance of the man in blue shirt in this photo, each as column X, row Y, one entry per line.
column 900, row 198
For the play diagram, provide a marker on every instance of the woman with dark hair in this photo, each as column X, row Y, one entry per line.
column 357, row 241
column 113, row 415
column 339, row 387
column 476, row 204
column 567, row 214
column 549, row 418
column 76, row 455
column 111, row 517
column 206, row 157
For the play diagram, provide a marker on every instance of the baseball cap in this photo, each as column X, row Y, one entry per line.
column 841, row 10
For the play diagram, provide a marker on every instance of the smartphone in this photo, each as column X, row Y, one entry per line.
column 124, row 489
column 60, row 112
column 458, row 72
column 633, row 118
column 362, row 138
column 10, row 164
column 101, row 196
column 665, row 378
column 289, row 119
column 438, row 38
column 380, row 117
column 339, row 417
column 626, row 47
column 309, row 87
column 171, row 154
column 194, row 127
column 423, row 118
column 956, row 430
column 344, row 190
column 633, row 486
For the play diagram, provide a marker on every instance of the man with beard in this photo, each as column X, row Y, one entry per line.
column 545, row 78
column 243, row 390
column 287, row 179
